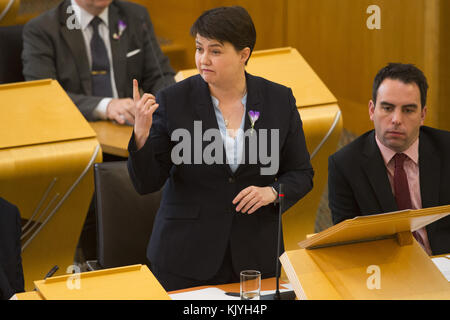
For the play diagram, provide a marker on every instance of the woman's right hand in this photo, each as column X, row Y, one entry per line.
column 145, row 106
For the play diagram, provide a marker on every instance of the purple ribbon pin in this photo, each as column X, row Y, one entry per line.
column 121, row 28
column 254, row 116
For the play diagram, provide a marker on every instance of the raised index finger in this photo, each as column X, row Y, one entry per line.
column 136, row 95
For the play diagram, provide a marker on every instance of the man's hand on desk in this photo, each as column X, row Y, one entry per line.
column 121, row 110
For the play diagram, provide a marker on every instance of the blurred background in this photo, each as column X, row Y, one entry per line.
column 332, row 35
column 336, row 37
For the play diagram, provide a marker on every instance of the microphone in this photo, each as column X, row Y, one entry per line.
column 50, row 273
column 287, row 295
column 6, row 9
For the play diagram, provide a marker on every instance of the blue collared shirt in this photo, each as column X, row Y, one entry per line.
column 233, row 146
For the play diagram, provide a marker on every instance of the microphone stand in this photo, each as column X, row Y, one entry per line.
column 6, row 9
column 287, row 295
column 153, row 50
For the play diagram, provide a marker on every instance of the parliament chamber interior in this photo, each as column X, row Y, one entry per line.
column 62, row 170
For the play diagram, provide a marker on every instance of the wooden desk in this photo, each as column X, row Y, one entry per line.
column 266, row 284
column 29, row 295
column 113, row 137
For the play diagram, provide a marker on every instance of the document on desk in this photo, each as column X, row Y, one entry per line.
column 203, row 294
column 216, row 294
column 443, row 264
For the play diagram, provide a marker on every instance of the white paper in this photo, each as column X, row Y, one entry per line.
column 443, row 264
column 203, row 294
column 217, row 294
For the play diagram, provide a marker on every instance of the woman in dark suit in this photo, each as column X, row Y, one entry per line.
column 220, row 143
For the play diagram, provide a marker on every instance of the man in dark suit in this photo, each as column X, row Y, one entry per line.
column 94, row 48
column 399, row 165
column 11, row 273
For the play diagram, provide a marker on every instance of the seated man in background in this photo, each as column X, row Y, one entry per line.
column 399, row 165
column 94, row 48
column 11, row 272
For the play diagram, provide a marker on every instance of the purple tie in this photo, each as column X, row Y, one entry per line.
column 401, row 189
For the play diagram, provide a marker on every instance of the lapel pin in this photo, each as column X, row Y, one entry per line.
column 254, row 116
column 121, row 26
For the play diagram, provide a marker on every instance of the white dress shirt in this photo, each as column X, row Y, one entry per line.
column 84, row 18
column 233, row 145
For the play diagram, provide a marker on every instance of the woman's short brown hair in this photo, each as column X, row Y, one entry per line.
column 227, row 24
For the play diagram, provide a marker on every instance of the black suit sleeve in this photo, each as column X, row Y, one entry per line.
column 11, row 272
column 295, row 172
column 341, row 200
column 149, row 167
column 39, row 62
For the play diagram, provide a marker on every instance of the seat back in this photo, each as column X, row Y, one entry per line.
column 124, row 218
column 10, row 54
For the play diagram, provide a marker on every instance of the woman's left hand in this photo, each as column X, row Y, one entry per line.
column 252, row 198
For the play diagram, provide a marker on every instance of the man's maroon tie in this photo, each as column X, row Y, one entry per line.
column 401, row 189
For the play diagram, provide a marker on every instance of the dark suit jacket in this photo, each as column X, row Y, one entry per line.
column 359, row 185
column 11, row 273
column 52, row 50
column 197, row 220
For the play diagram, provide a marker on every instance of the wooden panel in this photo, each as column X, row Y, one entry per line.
column 343, row 272
column 333, row 37
column 59, row 119
column 267, row 15
column 11, row 15
column 287, row 67
column 441, row 102
column 134, row 282
column 173, row 19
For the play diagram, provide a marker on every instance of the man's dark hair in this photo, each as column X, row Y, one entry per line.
column 227, row 24
column 406, row 73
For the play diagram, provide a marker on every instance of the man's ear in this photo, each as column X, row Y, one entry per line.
column 371, row 109
column 423, row 114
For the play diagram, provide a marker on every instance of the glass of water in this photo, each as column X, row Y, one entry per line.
column 250, row 285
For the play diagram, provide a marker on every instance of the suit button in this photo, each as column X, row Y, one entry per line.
column 231, row 180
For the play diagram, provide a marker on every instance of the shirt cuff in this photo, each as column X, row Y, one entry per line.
column 99, row 112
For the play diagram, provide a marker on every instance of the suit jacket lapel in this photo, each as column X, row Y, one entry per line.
column 118, row 48
column 203, row 105
column 429, row 164
column 201, row 97
column 253, row 103
column 205, row 111
column 75, row 41
column 376, row 172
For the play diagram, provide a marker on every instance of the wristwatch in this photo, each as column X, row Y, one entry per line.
column 276, row 195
